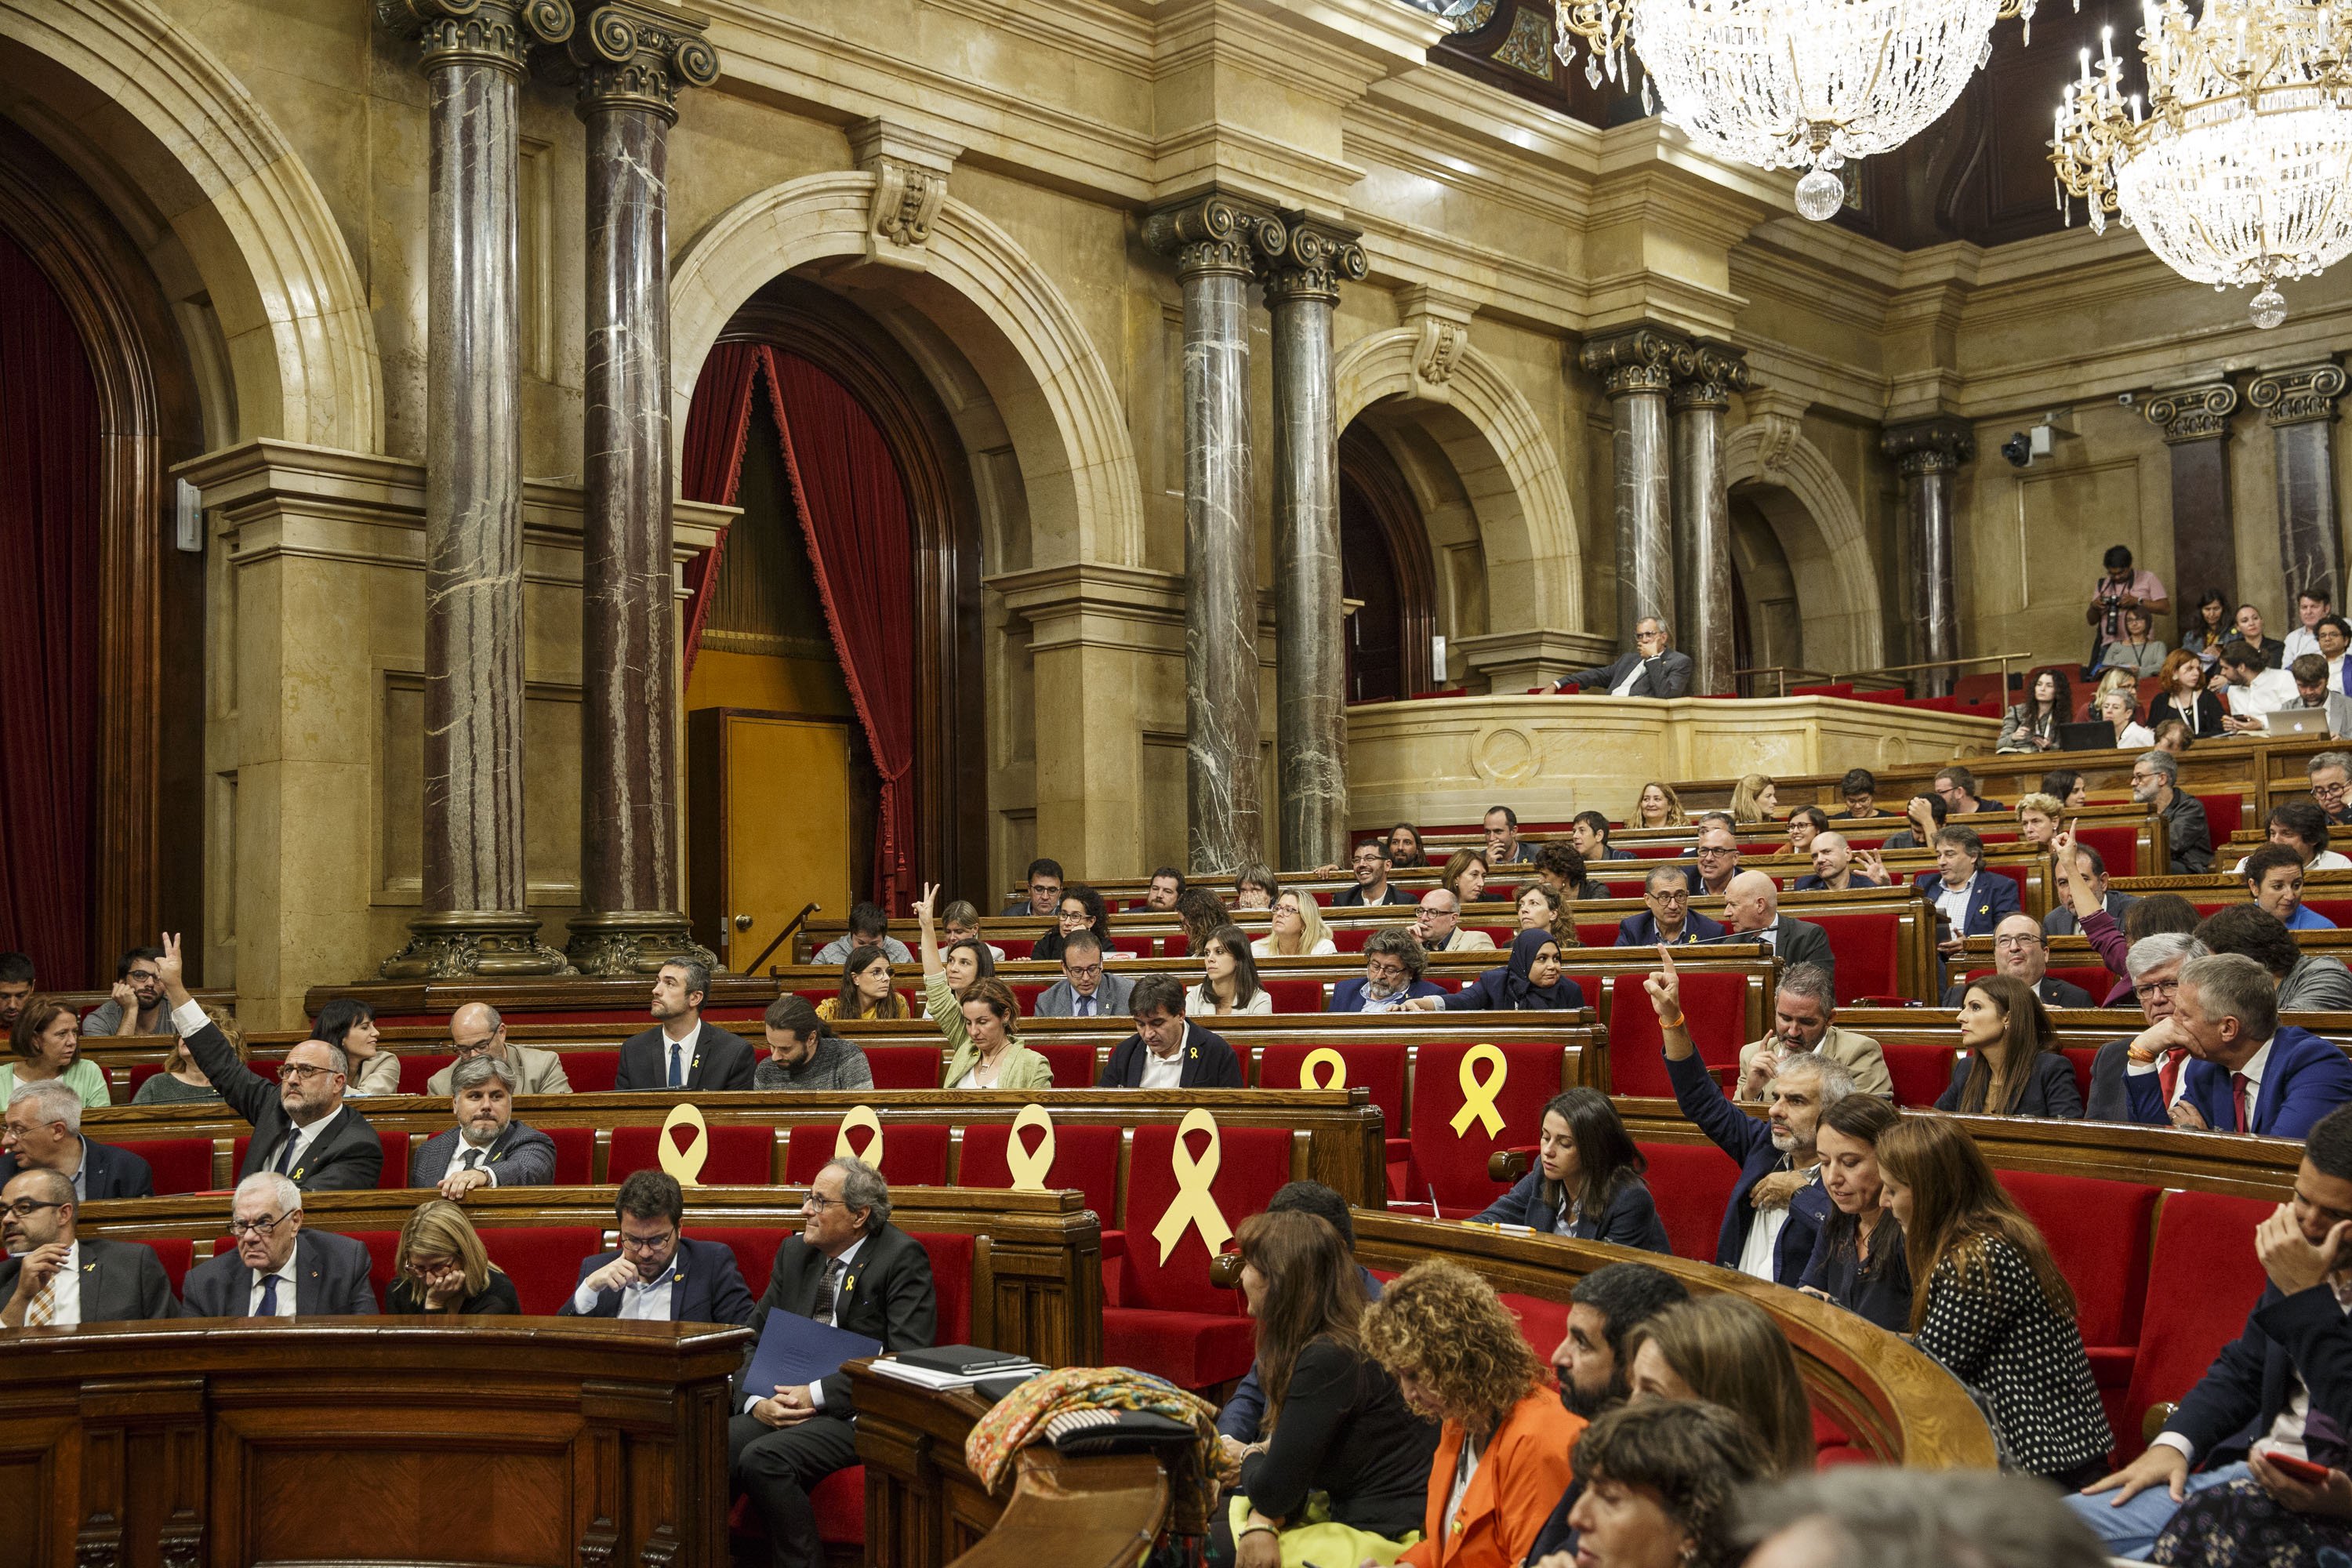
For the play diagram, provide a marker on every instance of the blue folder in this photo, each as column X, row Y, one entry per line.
column 795, row 1351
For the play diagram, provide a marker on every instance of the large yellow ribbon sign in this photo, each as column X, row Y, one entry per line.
column 860, row 1116
column 1030, row 1168
column 1478, row 1093
column 1193, row 1207
column 1323, row 1057
column 684, row 1164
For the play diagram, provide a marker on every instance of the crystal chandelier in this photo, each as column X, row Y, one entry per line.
column 2237, row 171
column 1786, row 84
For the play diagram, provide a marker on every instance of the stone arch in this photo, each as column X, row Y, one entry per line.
column 1505, row 462
column 1793, row 485
column 1066, row 422
column 301, row 348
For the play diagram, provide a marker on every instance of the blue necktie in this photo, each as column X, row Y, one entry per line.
column 1086, row 1006
column 268, row 1297
column 286, row 1153
column 676, row 1065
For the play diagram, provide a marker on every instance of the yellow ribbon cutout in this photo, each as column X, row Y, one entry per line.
column 1030, row 1168
column 860, row 1116
column 1478, row 1093
column 686, row 1164
column 1193, row 1206
column 1323, row 1057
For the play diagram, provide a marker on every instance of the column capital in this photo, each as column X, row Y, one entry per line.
column 1314, row 259
column 1640, row 359
column 1937, row 445
column 1216, row 234
column 632, row 55
column 1706, row 375
column 2192, row 413
column 499, row 34
column 2300, row 395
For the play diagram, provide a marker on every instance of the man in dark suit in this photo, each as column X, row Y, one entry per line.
column 681, row 1052
column 1669, row 922
column 2060, row 920
column 278, row 1269
column 2227, row 1016
column 1652, row 669
column 1393, row 965
column 1167, row 1049
column 2154, row 963
column 56, row 1279
column 852, row 1268
column 2020, row 949
column 487, row 1148
column 301, row 1127
column 1971, row 899
column 1595, row 1369
column 1085, row 990
column 1752, row 904
column 44, row 1134
column 2295, row 1350
column 1372, row 885
column 659, row 1274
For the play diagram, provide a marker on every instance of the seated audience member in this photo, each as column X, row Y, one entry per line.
column 278, row 1269
column 1405, row 851
column 1754, row 799
column 1968, row 900
column 1658, row 807
column 1167, row 1050
column 1559, row 866
column 2155, row 782
column 182, row 1082
column 1529, row 982
column 1372, row 885
column 1832, row 866
column 2021, row 950
column 1658, row 1482
column 2122, row 712
column 2301, row 825
column 1957, row 788
column 1715, row 861
column 1752, row 904
column 2333, row 635
column 1503, row 845
column 1727, row 1351
column 960, row 922
column 1587, row 1181
column 868, row 927
column 1874, row 1517
column 2038, row 819
column 2134, row 652
column 301, row 1127
column 1926, row 812
column 804, row 1055
column 1593, row 1366
column 2274, row 875
column 1669, row 921
column 1045, row 890
column 1394, row 966
column 135, row 1005
column 1202, row 914
column 16, row 977
column 2307, row 982
column 979, row 1021
column 1081, row 909
column 1589, row 831
column 44, row 1134
column 441, row 1271
column 349, row 1025
column 2205, row 633
column 2251, row 690
column 1242, row 1419
column 1540, row 909
column 1857, row 1260
column 1342, row 1470
column 2330, row 773
column 1988, row 1300
column 2153, row 965
column 2279, row 1389
column 1652, row 669
column 1806, row 823
column 55, row 1278
column 1439, row 929
column 1775, row 1213
column 1804, row 1022
column 2315, row 704
column 682, row 1051
column 2249, row 1074
column 2310, row 605
column 476, row 1030
column 1297, row 929
column 2172, row 738
column 852, row 1268
column 1228, row 978
column 2009, row 1063
column 1087, row 989
column 2032, row 725
column 1167, row 885
column 487, row 1148
column 865, row 990
column 2181, row 697
column 1255, row 886
column 660, row 1274
column 47, row 1042
column 1859, row 790
column 1502, row 1456
column 1465, row 876
column 2062, row 921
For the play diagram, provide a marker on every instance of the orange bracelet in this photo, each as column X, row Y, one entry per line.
column 1674, row 1023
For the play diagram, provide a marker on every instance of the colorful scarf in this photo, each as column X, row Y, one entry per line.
column 1019, row 1419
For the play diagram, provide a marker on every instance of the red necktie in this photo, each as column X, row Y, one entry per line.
column 2167, row 1073
column 2238, row 1094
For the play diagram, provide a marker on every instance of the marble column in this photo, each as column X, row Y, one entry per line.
column 1217, row 242
column 1705, row 375
column 1302, row 289
column 1635, row 368
column 474, row 919
column 633, row 58
column 2301, row 404
column 1928, row 454
column 2195, row 423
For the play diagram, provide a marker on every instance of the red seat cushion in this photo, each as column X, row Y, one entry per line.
column 576, row 1155
column 1026, row 994
column 1133, row 946
column 1295, row 995
column 2224, row 814
column 1071, row 1062
column 1455, row 1162
column 2203, row 1278
column 1376, row 1064
column 1191, row 1350
column 544, row 1260
column 1716, row 1007
column 754, row 1247
column 2081, row 1057
column 1868, row 947
column 141, row 1072
column 905, row 1067
column 1692, row 1181
column 383, row 1246
column 179, row 1164
column 2118, row 848
column 1085, row 1158
column 1595, row 933
column 839, row 1501
column 592, row 1072
column 1252, row 1161
column 394, row 1173
column 178, row 1254
column 1351, row 938
column 738, row 1156
column 950, row 1255
column 1921, row 1071
column 2098, row 1231
column 914, row 1155
column 418, row 1070
column 1543, row 1324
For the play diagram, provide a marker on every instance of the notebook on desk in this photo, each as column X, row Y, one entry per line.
column 795, row 1351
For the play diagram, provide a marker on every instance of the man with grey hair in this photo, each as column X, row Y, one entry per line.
column 280, row 1269
column 1393, row 965
column 475, row 1030
column 487, row 1148
column 2156, row 783
column 1652, row 670
column 2154, row 965
column 1438, row 926
column 2092, row 867
column 2330, row 773
column 852, row 1268
column 1804, row 1019
column 43, row 1132
column 2249, row 1074
column 1880, row 1517
column 55, row 1278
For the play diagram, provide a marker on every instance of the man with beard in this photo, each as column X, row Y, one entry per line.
column 487, row 1147
column 1804, row 1019
column 135, row 1006
column 17, row 980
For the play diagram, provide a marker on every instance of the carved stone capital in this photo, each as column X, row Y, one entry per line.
column 2192, row 413
column 2300, row 395
column 1936, row 445
column 633, row 944
column 910, row 183
column 1441, row 323
column 1216, row 232
column 499, row 34
column 1638, row 361
column 468, row 942
column 636, row 56
column 1316, row 258
column 1705, row 375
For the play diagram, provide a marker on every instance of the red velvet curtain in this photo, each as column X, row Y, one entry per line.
column 51, row 599
column 716, row 425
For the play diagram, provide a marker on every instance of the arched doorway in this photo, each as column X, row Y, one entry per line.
column 1770, row 629
column 1385, row 568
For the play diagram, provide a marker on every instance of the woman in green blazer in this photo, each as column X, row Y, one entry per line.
column 984, row 1049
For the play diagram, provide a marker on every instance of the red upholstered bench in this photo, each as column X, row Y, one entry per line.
column 2081, row 1057
column 2118, row 848
column 1868, row 947
column 1175, row 945
column 1543, row 1324
column 1085, row 1158
column 1133, row 946
column 2224, row 814
column 544, row 1260
column 1691, row 1182
column 2098, row 1233
column 179, row 1164
column 395, row 1158
column 417, row 1069
column 2202, row 1279
column 1026, row 994
column 913, row 1155
column 383, row 1246
column 1352, row 939
column 1377, row 1065
column 178, row 1254
column 1921, row 1072
column 1593, row 933
column 1453, row 1162
column 576, row 1155
column 1295, row 995
column 1071, row 1062
column 1716, row 1006
column 905, row 1067
column 737, row 1156
column 593, row 1073
column 140, row 1073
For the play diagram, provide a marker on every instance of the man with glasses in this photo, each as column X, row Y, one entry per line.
column 1394, row 964
column 476, row 1030
column 1371, row 867
column 2156, row 783
column 1957, row 788
column 278, row 1269
column 487, row 1148
column 1669, row 921
column 851, row 1268
column 301, row 1127
column 135, row 1005
column 54, row 1278
column 2021, row 950
column 1652, row 669
column 1045, row 890
column 2154, row 965
column 1438, row 926
column 44, row 1134
column 2331, row 784
column 1167, row 1050
column 1716, row 860
column 659, row 1274
column 1085, row 990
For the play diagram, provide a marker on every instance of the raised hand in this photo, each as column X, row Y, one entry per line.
column 924, row 905
column 1873, row 867
column 172, row 971
column 1665, row 988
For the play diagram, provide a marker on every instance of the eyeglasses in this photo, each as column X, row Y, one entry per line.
column 1718, row 849
column 1380, row 969
column 300, row 1072
column 25, row 1209
column 817, row 1204
column 465, row 1048
column 1670, row 896
column 244, row 1227
column 2327, row 791
column 2012, row 944
column 1084, row 971
column 647, row 1243
column 2158, row 988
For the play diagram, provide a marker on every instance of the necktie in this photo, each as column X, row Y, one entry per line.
column 2167, row 1073
column 472, row 1161
column 44, row 1308
column 286, row 1152
column 268, row 1297
column 2237, row 1095
column 825, row 1291
column 676, row 1065
column 1086, row 1006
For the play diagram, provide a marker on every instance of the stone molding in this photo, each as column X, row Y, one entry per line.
column 1314, row 259
column 911, row 173
column 1777, row 416
column 1514, row 661
column 1440, row 323
column 1938, row 446
column 1632, row 362
column 1216, row 232
column 632, row 55
column 2300, row 395
column 2192, row 413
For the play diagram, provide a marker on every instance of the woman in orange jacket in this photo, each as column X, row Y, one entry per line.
column 1502, row 1460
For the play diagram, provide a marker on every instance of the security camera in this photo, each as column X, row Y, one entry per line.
column 2018, row 450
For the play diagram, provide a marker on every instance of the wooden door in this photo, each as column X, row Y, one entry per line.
column 767, row 825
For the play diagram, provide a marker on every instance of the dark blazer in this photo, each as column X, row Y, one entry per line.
column 1748, row 1141
column 2203, row 716
column 1244, row 1413
column 107, row 1171
column 1793, row 942
column 1642, row 929
column 1630, row 1220
column 717, row 1060
column 2110, row 1101
column 1485, row 993
column 2049, row 1091
column 2249, row 1383
column 2305, row 1078
column 1348, row 1436
column 1209, row 1062
column 519, row 1157
column 1353, row 898
column 347, row 1157
column 331, row 1275
column 1813, row 884
column 888, row 1294
column 2060, row 920
column 1992, row 897
column 122, row 1282
column 2053, row 992
column 1668, row 675
column 1348, row 996
column 498, row 1298
column 705, row 1286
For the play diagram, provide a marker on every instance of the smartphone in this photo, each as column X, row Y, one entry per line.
column 2304, row 1470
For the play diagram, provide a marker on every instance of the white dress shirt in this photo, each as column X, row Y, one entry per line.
column 2300, row 640
column 481, row 1162
column 1165, row 1072
column 640, row 1303
column 1763, row 1238
column 304, row 1137
column 2270, row 690
column 1953, row 904
column 1625, row 687
column 284, row 1274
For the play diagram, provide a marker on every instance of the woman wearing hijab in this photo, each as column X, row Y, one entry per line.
column 1530, row 982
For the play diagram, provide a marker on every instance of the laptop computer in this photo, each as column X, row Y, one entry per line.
column 2097, row 735
column 2297, row 721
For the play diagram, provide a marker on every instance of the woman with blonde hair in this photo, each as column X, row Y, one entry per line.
column 182, row 1082
column 1464, row 877
column 1659, row 806
column 2010, row 1064
column 984, row 1049
column 1297, row 929
column 440, row 1267
column 1754, row 799
column 2039, row 819
column 1726, row 1349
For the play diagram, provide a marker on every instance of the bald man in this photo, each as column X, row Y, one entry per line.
column 1752, row 912
column 476, row 1030
column 1439, row 926
column 1832, row 867
column 2021, row 948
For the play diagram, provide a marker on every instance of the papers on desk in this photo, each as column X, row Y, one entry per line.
column 924, row 1377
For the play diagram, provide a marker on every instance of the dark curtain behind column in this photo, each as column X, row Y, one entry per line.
column 49, row 603
column 715, row 427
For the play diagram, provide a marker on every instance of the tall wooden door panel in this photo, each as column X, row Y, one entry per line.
column 768, row 824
